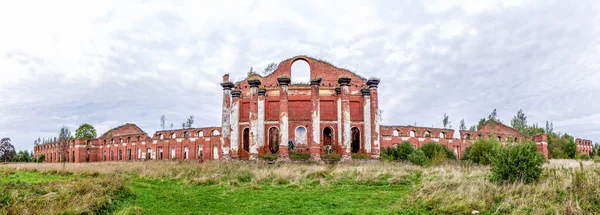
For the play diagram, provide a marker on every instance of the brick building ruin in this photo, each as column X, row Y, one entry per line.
column 584, row 146
column 336, row 112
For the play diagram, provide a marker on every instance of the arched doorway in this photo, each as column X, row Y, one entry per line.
column 274, row 140
column 246, row 140
column 355, row 146
column 300, row 71
column 328, row 140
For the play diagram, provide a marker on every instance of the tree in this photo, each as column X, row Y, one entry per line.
column 519, row 122
column 7, row 150
column 183, row 125
column 171, row 126
column 473, row 128
column 270, row 69
column 190, row 121
column 163, row 119
column 549, row 127
column 86, row 131
column 22, row 156
column 462, row 125
column 63, row 139
column 493, row 116
column 446, row 121
column 251, row 72
column 480, row 123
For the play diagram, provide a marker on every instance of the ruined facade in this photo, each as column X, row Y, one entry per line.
column 584, row 146
column 336, row 112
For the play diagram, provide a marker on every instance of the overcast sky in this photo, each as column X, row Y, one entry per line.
column 109, row 63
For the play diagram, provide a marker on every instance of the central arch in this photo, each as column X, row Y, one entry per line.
column 300, row 70
column 274, row 140
column 355, row 140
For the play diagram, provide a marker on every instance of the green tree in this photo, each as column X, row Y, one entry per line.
column 446, row 120
column 493, row 116
column 480, row 123
column 462, row 125
column 7, row 150
column 519, row 122
column 483, row 150
column 570, row 148
column 520, row 163
column 86, row 131
column 163, row 119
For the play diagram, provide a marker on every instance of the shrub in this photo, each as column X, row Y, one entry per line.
column 517, row 163
column 356, row 156
column 582, row 156
column 398, row 152
column 482, row 151
column 465, row 156
column 418, row 158
column 270, row 157
column 431, row 148
column 299, row 156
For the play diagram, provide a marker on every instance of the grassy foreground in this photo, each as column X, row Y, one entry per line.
column 285, row 188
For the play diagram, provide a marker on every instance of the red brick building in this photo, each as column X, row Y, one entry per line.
column 584, row 146
column 336, row 112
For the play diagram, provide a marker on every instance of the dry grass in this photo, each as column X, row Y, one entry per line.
column 462, row 189
column 232, row 173
column 566, row 187
column 80, row 194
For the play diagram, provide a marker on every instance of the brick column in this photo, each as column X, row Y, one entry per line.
column 375, row 137
column 235, row 124
column 283, row 119
column 253, row 154
column 315, row 143
column 226, row 118
column 338, row 92
column 346, row 130
column 260, row 138
column 367, row 120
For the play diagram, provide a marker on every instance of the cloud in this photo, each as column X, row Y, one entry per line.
column 112, row 62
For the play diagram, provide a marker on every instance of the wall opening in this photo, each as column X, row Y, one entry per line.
column 185, row 152
column 186, row 134
column 300, row 72
column 499, row 138
column 172, row 152
column 355, row 145
column 396, row 133
column 173, row 136
column 300, row 135
column 274, row 140
column 200, row 133
column 428, row 134
column 412, row 134
column 216, row 133
column 160, row 136
column 468, row 136
column 328, row 140
column 442, row 135
column 246, row 139
column 200, row 151
column 87, row 155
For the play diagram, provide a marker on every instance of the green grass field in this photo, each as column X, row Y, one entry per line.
column 289, row 188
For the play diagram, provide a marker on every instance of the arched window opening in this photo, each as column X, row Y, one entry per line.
column 396, row 133
column 138, row 153
column 516, row 139
column 300, row 72
column 200, row 151
column 300, row 135
column 468, row 136
column 120, row 140
column 274, row 140
column 186, row 134
column 499, row 138
column 185, row 152
column 412, row 133
column 355, row 145
column 216, row 133
column 112, row 155
column 428, row 134
column 200, row 133
column 328, row 140
column 442, row 135
column 129, row 139
column 245, row 140
column 172, row 154
column 104, row 155
column 161, row 137
column 479, row 136
column 173, row 136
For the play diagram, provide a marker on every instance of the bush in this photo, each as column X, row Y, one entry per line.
column 398, row 152
column 418, row 158
column 482, row 151
column 517, row 163
column 465, row 156
column 432, row 148
column 299, row 156
column 270, row 157
column 582, row 156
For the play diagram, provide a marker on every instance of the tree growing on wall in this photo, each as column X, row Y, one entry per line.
column 85, row 131
column 462, row 125
column 163, row 119
column 270, row 69
column 7, row 150
column 446, row 120
column 519, row 122
column 190, row 121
